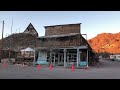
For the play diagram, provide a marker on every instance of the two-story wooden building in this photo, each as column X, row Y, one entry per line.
column 64, row 45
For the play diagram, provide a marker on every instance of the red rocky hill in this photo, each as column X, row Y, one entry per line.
column 106, row 42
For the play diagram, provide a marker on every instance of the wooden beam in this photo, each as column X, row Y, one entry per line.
column 65, row 57
column 77, row 57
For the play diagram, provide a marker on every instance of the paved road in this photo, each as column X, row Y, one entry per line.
column 104, row 70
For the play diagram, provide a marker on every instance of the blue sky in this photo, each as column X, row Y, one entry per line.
column 93, row 22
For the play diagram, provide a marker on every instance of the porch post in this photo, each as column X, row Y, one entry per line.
column 58, row 58
column 77, row 57
column 80, row 56
column 64, row 57
column 34, row 55
column 54, row 58
column 87, row 57
column 34, row 59
column 67, row 58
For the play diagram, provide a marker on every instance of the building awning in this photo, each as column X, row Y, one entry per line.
column 61, row 35
column 64, row 47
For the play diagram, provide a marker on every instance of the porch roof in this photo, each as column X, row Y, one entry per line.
column 61, row 35
column 65, row 47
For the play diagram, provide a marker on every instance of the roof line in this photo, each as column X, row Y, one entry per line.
column 57, row 36
column 62, row 25
column 32, row 26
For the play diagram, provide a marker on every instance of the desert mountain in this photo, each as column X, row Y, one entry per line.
column 106, row 42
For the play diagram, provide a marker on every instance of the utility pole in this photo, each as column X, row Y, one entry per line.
column 2, row 40
column 10, row 41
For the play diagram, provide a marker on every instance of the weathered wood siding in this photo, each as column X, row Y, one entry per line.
column 62, row 29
